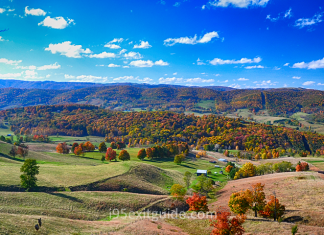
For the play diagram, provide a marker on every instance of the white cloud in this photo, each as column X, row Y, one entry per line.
column 11, row 10
column 126, row 66
column 133, row 55
column 112, row 46
column 31, row 74
column 235, row 86
column 145, row 80
column 122, row 51
column 308, row 83
column 48, row 75
column 34, row 12
column 50, row 66
column 2, row 10
column 203, row 7
column 286, row 64
column 1, row 39
column 320, row 84
column 170, row 80
column 288, row 13
column 142, row 63
column 315, row 64
column 56, row 22
column 161, row 63
column 113, row 65
column 242, row 79
column 200, row 62
column 11, row 62
column 199, row 80
column 119, row 40
column 276, row 68
column 187, row 40
column 255, row 67
column 266, row 83
column 89, row 78
column 238, row 3
column 65, row 48
column 175, row 73
column 241, row 61
column 281, row 15
column 303, row 22
column 68, row 76
column 294, row 77
column 125, row 78
column 31, row 67
column 103, row 55
column 10, row 75
column 143, row 45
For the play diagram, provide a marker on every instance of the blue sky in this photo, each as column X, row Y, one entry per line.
column 237, row 43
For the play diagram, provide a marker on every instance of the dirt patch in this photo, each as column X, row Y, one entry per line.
column 42, row 147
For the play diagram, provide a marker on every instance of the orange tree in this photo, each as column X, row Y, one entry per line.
column 110, row 154
column 271, row 206
column 178, row 191
column 78, row 150
column 256, row 197
column 223, row 225
column 228, row 168
column 124, row 155
column 141, row 154
column 302, row 166
column 88, row 146
column 239, row 203
column 62, row 148
column 197, row 203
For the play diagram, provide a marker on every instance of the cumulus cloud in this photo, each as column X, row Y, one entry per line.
column 67, row 49
column 89, row 78
column 11, row 62
column 286, row 64
column 69, row 76
column 103, row 55
column 10, row 75
column 125, row 78
column 294, row 77
column 30, row 74
column 56, row 22
column 308, row 83
column 303, row 22
column 191, row 40
column 170, row 80
column 199, row 80
column 320, row 84
column 50, row 66
column 217, row 61
column 133, row 55
column 122, row 51
column 34, row 12
column 161, row 63
column 242, row 79
column 113, row 65
column 254, row 67
column 2, row 10
column 30, row 67
column 315, row 64
column 266, row 83
column 143, row 45
column 112, row 46
column 200, row 62
column 1, row 39
column 238, row 3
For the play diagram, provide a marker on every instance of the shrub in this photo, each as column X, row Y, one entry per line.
column 247, row 170
column 270, row 207
column 302, row 166
column 102, row 147
column 179, row 158
column 62, row 148
column 141, row 154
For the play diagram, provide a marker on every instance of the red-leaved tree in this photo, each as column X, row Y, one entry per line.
column 110, row 154
column 223, row 225
column 197, row 203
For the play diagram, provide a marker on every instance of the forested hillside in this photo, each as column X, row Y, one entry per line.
column 82, row 120
column 279, row 102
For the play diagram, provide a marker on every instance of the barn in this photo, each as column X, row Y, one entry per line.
column 201, row 172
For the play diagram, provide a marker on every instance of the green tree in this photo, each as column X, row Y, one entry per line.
column 124, row 155
column 30, row 170
column 13, row 151
column 141, row 154
column 102, row 147
column 178, row 191
column 239, row 202
column 187, row 178
column 204, row 185
column 178, row 158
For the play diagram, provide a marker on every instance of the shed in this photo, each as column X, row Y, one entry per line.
column 9, row 135
column 217, row 166
column 201, row 172
column 222, row 160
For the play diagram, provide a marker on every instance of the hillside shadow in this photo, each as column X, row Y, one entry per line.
column 74, row 199
column 11, row 158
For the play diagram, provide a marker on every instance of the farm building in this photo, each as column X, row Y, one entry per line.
column 201, row 172
column 222, row 160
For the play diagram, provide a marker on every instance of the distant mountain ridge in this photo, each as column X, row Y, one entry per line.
column 79, row 85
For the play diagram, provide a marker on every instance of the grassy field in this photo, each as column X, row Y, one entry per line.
column 207, row 104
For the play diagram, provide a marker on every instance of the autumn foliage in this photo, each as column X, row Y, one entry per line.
column 62, row 148
column 124, row 155
column 223, row 225
column 228, row 168
column 110, row 154
column 197, row 203
column 247, row 170
column 239, row 203
column 302, row 166
column 269, row 208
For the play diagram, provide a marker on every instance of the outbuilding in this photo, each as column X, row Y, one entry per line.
column 201, row 172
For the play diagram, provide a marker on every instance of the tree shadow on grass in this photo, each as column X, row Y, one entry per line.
column 11, row 158
column 74, row 199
